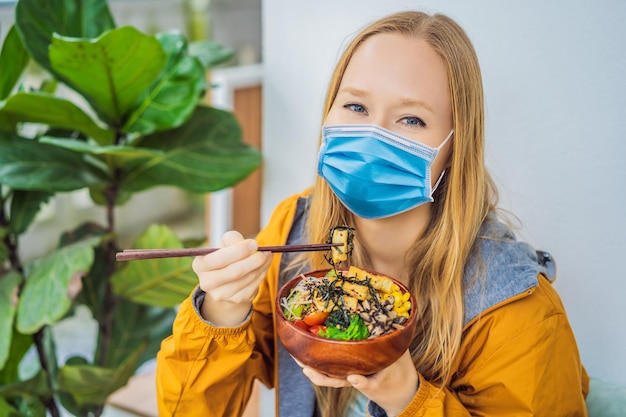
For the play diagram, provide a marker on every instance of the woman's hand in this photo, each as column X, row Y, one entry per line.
column 393, row 388
column 230, row 277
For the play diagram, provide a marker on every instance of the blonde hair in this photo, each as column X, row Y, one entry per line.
column 462, row 202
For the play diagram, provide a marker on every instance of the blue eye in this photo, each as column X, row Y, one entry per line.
column 357, row 108
column 413, row 121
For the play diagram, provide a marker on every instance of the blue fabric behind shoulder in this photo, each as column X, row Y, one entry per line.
column 500, row 267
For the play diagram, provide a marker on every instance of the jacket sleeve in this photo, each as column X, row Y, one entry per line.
column 206, row 370
column 517, row 359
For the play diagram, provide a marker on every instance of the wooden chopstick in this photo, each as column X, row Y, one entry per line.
column 137, row 254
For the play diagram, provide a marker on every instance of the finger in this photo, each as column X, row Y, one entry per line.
column 322, row 380
column 244, row 271
column 238, row 282
column 234, row 292
column 235, row 251
column 220, row 258
column 359, row 382
column 392, row 387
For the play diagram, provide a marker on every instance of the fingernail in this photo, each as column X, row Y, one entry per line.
column 253, row 245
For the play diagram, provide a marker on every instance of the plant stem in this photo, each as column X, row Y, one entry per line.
column 50, row 404
column 10, row 240
column 106, row 325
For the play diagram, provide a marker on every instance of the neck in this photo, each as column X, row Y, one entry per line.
column 388, row 240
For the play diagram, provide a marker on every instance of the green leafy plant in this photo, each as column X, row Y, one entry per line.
column 117, row 112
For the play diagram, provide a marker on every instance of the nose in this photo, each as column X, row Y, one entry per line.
column 381, row 120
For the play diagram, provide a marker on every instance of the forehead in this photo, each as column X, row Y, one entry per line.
column 397, row 66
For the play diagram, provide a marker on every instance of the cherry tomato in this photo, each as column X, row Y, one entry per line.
column 317, row 328
column 317, row 317
column 301, row 324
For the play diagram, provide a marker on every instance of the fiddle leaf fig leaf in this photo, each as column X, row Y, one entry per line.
column 20, row 345
column 54, row 112
column 94, row 291
column 136, row 324
column 38, row 20
column 13, row 61
column 111, row 71
column 210, row 53
column 35, row 386
column 99, row 196
column 84, row 147
column 90, row 384
column 205, row 154
column 158, row 282
column 172, row 98
column 26, row 164
column 24, row 207
column 9, row 287
column 68, row 401
column 51, row 283
column 31, row 406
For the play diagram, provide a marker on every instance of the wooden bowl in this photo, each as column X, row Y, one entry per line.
column 339, row 358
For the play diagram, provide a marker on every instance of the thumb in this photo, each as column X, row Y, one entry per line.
column 359, row 382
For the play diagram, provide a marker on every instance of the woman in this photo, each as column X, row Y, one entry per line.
column 402, row 162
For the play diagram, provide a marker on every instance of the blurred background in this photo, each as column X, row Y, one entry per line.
column 554, row 81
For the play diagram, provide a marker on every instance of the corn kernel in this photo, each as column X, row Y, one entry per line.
column 403, row 308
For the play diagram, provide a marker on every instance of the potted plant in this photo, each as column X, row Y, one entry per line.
column 120, row 112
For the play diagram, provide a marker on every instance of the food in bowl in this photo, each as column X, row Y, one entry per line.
column 359, row 354
column 347, row 305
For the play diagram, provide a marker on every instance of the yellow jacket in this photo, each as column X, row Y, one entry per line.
column 518, row 358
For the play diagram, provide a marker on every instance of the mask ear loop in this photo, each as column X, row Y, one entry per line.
column 444, row 171
column 445, row 140
column 437, row 183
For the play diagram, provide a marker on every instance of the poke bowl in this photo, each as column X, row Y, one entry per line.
column 350, row 321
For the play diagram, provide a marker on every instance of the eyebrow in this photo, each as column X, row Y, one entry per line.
column 403, row 101
column 353, row 91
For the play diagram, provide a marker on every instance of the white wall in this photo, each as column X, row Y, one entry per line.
column 555, row 91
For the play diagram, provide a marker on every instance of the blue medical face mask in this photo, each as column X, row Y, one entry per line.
column 375, row 172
